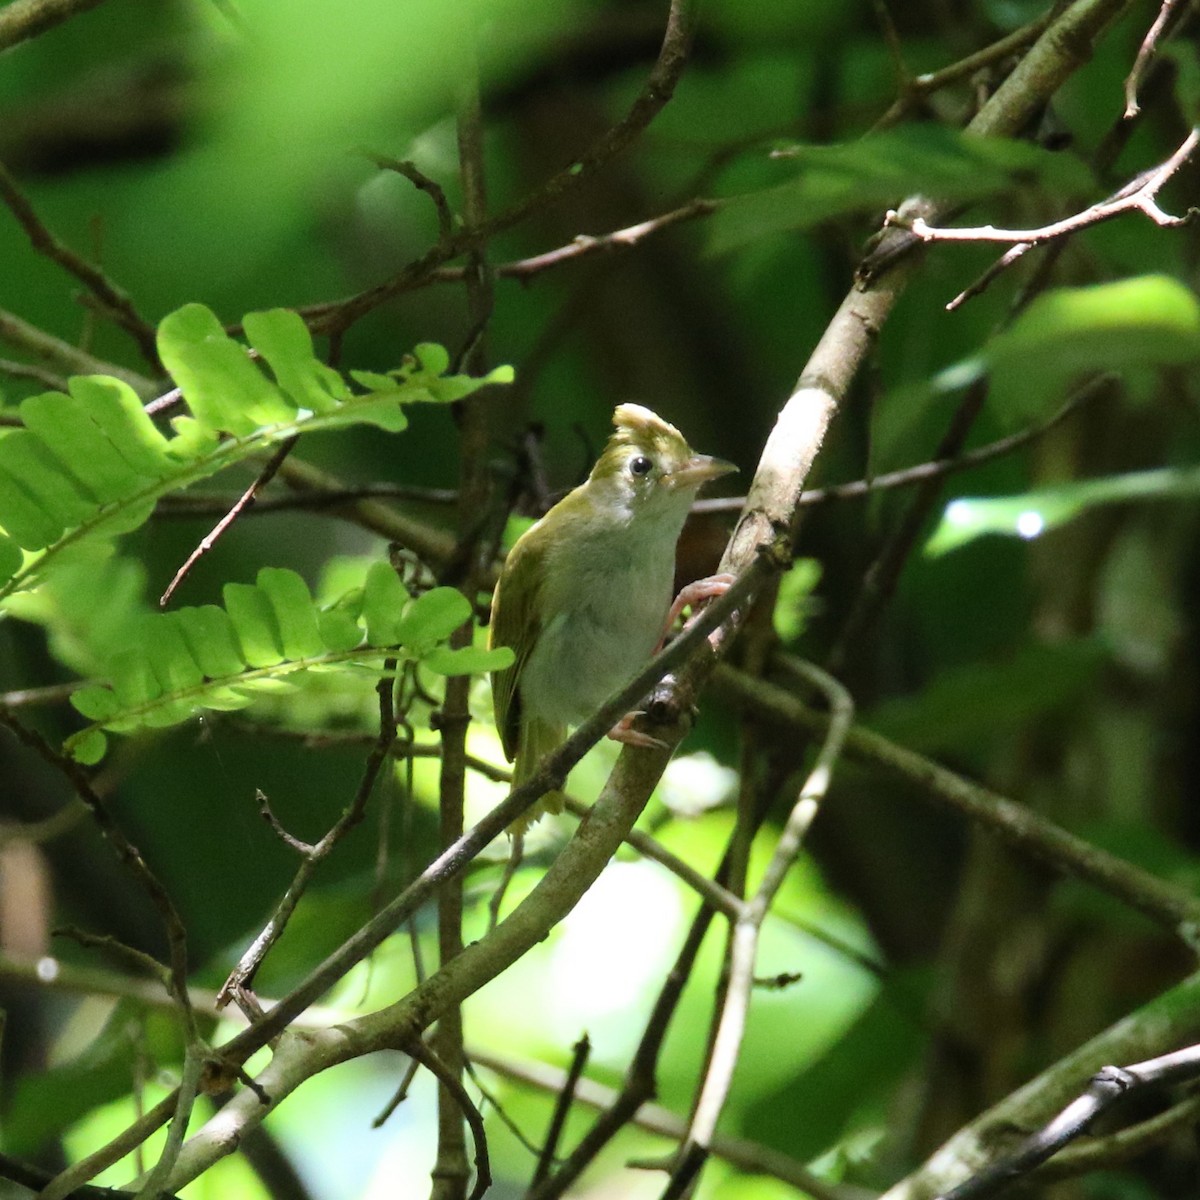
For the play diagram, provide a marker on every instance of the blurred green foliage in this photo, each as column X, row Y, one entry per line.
column 228, row 156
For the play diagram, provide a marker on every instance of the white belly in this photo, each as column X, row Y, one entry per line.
column 598, row 637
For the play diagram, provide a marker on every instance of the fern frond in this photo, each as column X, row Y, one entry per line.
column 89, row 463
column 269, row 633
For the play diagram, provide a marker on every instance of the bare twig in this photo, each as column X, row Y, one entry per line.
column 1103, row 1153
column 241, row 978
column 895, row 48
column 727, row 1044
column 39, row 375
column 185, row 1098
column 421, row 181
column 935, row 469
column 67, row 358
column 240, row 505
column 67, row 977
column 52, row 693
column 137, row 961
column 587, row 245
column 203, row 504
column 657, row 90
column 1139, row 195
column 1173, row 908
column 1146, row 52
column 126, row 851
column 448, row 1078
column 562, row 1107
column 114, row 302
column 918, row 87
column 25, row 19
column 1107, row 1087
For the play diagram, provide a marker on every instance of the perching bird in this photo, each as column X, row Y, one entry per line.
column 584, row 595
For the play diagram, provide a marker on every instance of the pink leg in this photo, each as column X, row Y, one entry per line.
column 623, row 731
column 693, row 593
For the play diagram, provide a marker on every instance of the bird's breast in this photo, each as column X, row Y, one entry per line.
column 599, row 627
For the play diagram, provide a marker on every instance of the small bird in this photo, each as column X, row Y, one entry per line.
column 585, row 594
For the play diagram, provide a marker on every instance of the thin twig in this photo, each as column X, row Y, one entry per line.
column 203, row 504
column 421, row 181
column 241, row 978
column 1104, row 1153
column 655, row 93
column 562, row 1108
column 135, row 960
column 731, row 1027
column 1106, row 1088
column 448, row 1078
column 129, row 854
column 920, row 86
column 1173, row 908
column 1146, row 52
column 1139, row 195
column 69, row 359
column 748, row 1156
column 52, row 693
column 39, row 375
column 935, row 469
column 587, row 245
column 185, row 1099
column 114, row 301
column 240, row 505
column 895, row 48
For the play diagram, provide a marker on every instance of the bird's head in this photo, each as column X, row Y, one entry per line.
column 650, row 466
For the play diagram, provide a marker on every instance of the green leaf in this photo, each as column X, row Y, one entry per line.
column 469, row 660
column 115, row 411
column 432, row 617
column 223, row 388
column 87, row 747
column 96, row 703
column 254, row 624
column 384, row 599
column 433, row 358
column 792, row 604
column 91, row 464
column 65, row 426
column 282, row 338
column 294, row 612
column 879, row 170
column 339, row 630
column 209, row 634
column 1148, row 321
column 1032, row 513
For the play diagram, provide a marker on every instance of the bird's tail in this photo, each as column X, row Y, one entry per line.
column 538, row 738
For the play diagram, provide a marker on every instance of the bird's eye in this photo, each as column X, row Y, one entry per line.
column 640, row 465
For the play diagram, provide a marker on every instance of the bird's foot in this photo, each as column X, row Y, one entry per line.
column 623, row 731
column 702, row 589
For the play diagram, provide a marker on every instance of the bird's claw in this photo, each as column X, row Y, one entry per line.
column 623, row 731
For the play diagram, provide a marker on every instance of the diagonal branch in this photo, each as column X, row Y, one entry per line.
column 114, row 302
column 658, row 89
column 25, row 19
column 744, row 952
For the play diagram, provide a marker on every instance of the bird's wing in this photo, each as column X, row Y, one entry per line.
column 516, row 622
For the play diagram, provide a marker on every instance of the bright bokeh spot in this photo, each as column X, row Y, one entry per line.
column 1030, row 524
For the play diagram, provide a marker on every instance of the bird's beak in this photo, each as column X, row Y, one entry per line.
column 699, row 470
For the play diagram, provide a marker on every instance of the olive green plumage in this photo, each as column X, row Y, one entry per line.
column 585, row 592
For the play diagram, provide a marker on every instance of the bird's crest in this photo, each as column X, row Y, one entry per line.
column 638, row 426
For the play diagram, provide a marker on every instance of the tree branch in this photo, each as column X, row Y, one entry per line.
column 25, row 19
